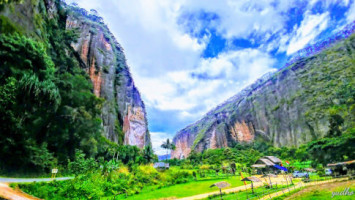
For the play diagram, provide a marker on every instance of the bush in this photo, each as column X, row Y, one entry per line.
column 146, row 174
column 81, row 165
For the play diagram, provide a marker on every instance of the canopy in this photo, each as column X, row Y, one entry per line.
column 281, row 168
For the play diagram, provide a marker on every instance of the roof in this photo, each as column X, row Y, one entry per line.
column 341, row 163
column 310, row 170
column 273, row 159
column 266, row 162
column 161, row 165
column 258, row 166
column 251, row 178
column 221, row 184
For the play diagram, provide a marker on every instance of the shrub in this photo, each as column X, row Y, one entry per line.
column 81, row 165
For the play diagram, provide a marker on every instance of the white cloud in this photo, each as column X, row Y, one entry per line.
column 210, row 83
column 350, row 15
column 310, row 28
column 242, row 18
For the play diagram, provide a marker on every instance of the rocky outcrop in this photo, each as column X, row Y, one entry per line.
column 286, row 108
column 103, row 59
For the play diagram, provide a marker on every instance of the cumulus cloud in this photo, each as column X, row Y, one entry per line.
column 310, row 28
column 211, row 82
column 242, row 18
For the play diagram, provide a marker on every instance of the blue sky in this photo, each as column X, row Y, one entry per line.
column 186, row 57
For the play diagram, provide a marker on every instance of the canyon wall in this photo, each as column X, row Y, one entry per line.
column 286, row 108
column 124, row 117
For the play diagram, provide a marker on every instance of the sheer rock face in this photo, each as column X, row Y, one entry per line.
column 103, row 59
column 286, row 108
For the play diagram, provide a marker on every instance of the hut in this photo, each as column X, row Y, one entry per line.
column 268, row 165
column 342, row 168
column 161, row 165
column 221, row 185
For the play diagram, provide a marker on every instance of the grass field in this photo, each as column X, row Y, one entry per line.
column 323, row 192
column 258, row 192
column 183, row 190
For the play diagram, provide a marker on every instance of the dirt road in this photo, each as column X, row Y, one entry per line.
column 8, row 193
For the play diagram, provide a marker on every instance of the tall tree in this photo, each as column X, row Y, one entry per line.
column 148, row 154
column 168, row 146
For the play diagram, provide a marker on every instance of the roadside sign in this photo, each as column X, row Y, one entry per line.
column 54, row 171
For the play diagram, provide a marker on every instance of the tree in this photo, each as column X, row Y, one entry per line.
column 333, row 149
column 194, row 157
column 148, row 154
column 335, row 122
column 168, row 146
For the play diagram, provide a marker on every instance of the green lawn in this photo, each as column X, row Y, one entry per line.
column 183, row 190
column 324, row 191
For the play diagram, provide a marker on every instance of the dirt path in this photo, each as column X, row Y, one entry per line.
column 8, row 193
column 12, row 194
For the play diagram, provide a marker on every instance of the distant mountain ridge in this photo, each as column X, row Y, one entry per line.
column 164, row 157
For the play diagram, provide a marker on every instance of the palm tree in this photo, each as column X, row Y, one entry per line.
column 168, row 146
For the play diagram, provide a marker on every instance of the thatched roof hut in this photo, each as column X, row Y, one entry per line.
column 221, row 184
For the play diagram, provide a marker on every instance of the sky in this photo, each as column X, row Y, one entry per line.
column 188, row 56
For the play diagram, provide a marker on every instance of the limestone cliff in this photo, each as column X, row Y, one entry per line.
column 103, row 59
column 99, row 54
column 287, row 108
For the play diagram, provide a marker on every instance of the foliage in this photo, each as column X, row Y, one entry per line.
column 111, row 179
column 80, row 165
column 148, row 154
column 29, row 94
column 333, row 149
column 47, row 104
column 10, row 1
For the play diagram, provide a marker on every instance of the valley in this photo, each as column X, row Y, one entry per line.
column 80, row 118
